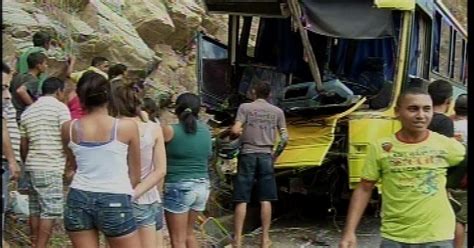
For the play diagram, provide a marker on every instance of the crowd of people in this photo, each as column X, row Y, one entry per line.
column 93, row 135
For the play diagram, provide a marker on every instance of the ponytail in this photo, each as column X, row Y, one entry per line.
column 189, row 120
column 187, row 110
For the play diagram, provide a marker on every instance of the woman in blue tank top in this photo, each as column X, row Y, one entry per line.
column 186, row 190
column 103, row 161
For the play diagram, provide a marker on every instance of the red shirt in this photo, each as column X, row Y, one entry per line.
column 75, row 108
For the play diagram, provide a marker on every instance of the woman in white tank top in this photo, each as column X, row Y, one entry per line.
column 146, row 200
column 103, row 161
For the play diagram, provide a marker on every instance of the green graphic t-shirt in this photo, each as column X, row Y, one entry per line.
column 415, row 206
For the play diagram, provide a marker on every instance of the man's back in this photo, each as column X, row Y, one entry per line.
column 442, row 124
column 41, row 125
column 261, row 122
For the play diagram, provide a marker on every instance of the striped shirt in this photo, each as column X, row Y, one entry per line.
column 41, row 125
column 9, row 113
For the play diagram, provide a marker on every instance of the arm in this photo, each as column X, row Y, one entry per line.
column 7, row 150
column 359, row 200
column 70, row 65
column 281, row 125
column 282, row 143
column 22, row 92
column 24, row 144
column 237, row 128
column 71, row 166
column 168, row 133
column 240, row 119
column 134, row 170
column 159, row 160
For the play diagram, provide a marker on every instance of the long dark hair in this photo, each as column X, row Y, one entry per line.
column 150, row 106
column 187, row 110
column 93, row 90
column 124, row 99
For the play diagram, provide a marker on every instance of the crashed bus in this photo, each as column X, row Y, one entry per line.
column 336, row 68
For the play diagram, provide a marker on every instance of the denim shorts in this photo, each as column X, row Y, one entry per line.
column 180, row 197
column 159, row 219
column 145, row 214
column 45, row 193
column 255, row 168
column 387, row 243
column 109, row 213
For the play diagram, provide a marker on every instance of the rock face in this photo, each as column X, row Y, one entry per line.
column 150, row 19
column 137, row 33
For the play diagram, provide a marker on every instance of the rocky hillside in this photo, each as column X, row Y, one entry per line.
column 138, row 33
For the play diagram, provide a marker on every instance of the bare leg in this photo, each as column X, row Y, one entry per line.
column 125, row 241
column 177, row 227
column 85, row 239
column 459, row 234
column 5, row 244
column 191, row 241
column 266, row 217
column 147, row 236
column 239, row 218
column 45, row 229
column 34, row 225
column 159, row 239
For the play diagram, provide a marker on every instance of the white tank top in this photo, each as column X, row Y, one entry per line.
column 101, row 167
column 147, row 143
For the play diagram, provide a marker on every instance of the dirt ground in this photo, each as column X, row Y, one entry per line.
column 286, row 232
column 294, row 232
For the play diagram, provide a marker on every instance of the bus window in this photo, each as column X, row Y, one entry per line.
column 458, row 57
column 444, row 48
column 465, row 67
column 420, row 42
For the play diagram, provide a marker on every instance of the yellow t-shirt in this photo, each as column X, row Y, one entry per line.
column 77, row 75
column 415, row 206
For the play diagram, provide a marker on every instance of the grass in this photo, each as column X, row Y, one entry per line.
column 17, row 234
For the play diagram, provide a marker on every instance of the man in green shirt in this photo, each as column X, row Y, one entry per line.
column 24, row 86
column 41, row 43
column 411, row 165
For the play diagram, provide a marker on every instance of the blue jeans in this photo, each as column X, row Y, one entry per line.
column 255, row 167
column 387, row 243
column 110, row 213
column 180, row 197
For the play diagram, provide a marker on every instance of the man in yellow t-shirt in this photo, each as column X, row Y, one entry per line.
column 411, row 165
column 99, row 65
